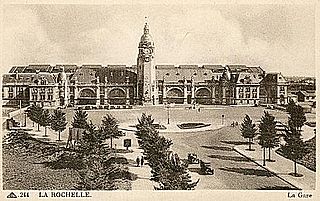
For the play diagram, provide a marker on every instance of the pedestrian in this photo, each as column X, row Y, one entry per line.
column 142, row 161
column 199, row 109
column 138, row 161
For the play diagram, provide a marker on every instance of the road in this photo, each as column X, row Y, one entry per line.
column 232, row 171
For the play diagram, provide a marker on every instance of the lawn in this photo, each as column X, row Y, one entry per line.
column 26, row 167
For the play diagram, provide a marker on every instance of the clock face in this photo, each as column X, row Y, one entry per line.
column 146, row 51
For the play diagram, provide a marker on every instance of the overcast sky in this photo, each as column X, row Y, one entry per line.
column 275, row 37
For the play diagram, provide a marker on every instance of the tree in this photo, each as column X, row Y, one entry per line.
column 291, row 106
column 248, row 130
column 294, row 147
column 99, row 172
column 80, row 119
column 297, row 117
column 166, row 167
column 45, row 120
column 58, row 121
column 268, row 137
column 34, row 112
column 110, row 128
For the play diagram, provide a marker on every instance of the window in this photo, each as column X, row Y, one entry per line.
column 241, row 95
column 10, row 89
column 254, row 95
column 42, row 97
column 10, row 95
column 34, row 97
column 282, row 88
column 43, row 82
column 254, row 89
column 50, row 97
column 247, row 95
column 247, row 89
column 240, row 89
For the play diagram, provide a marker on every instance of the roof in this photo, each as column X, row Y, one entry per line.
column 292, row 95
column 255, row 69
column 274, row 78
column 308, row 93
column 85, row 75
column 237, row 68
column 28, row 78
column 245, row 78
column 174, row 74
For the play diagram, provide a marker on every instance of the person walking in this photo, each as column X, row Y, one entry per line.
column 138, row 161
column 142, row 161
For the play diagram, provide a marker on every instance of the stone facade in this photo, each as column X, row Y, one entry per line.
column 144, row 83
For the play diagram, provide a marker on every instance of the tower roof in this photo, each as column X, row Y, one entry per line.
column 146, row 37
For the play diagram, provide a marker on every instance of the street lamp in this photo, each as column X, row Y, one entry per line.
column 25, row 119
column 222, row 119
column 168, row 112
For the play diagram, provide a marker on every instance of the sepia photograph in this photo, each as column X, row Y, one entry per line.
column 158, row 97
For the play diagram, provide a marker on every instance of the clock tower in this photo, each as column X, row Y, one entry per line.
column 146, row 69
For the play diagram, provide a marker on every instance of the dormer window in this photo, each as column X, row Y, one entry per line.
column 205, row 74
column 167, row 74
column 177, row 73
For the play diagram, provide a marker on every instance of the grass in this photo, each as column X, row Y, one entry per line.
column 21, row 172
column 30, row 164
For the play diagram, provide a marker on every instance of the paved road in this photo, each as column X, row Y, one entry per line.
column 232, row 171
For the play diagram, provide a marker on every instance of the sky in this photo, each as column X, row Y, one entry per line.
column 279, row 38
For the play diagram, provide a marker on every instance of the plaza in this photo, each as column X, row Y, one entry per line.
column 214, row 144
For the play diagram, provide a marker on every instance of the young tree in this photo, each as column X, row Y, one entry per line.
column 268, row 137
column 291, row 107
column 45, row 120
column 58, row 121
column 294, row 147
column 30, row 114
column 80, row 119
column 110, row 128
column 248, row 130
column 34, row 112
column 297, row 118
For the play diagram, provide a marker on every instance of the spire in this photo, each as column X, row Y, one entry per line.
column 146, row 37
column 146, row 26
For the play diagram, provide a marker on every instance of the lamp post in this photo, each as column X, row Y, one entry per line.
column 222, row 119
column 168, row 112
column 20, row 114
column 25, row 119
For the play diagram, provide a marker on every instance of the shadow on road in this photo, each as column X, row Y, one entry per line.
column 248, row 171
column 230, row 158
column 218, row 148
column 234, row 142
